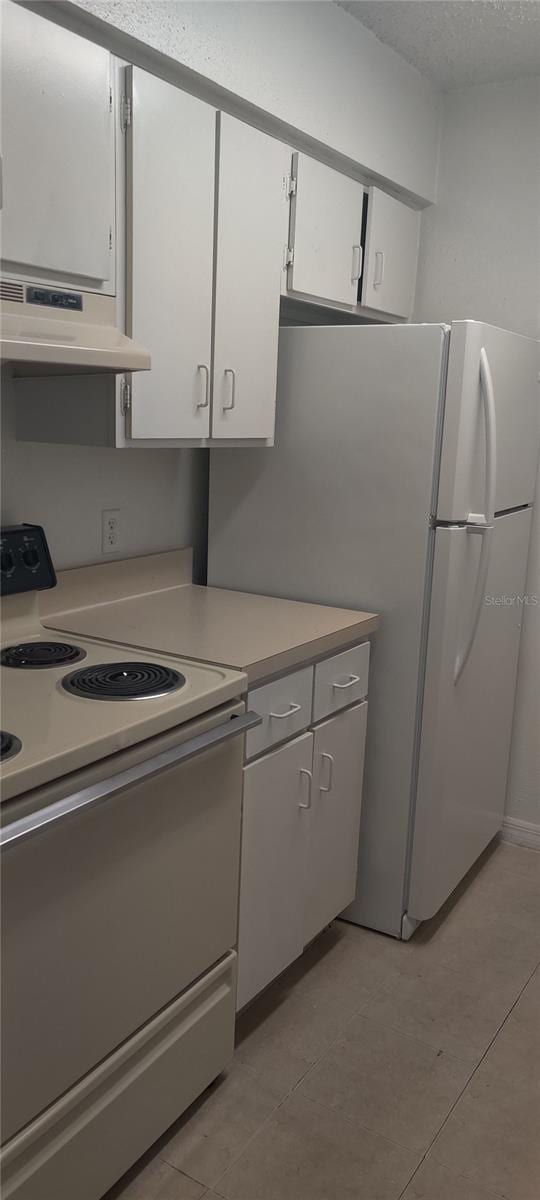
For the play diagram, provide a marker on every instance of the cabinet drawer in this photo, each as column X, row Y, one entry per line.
column 340, row 681
column 285, row 707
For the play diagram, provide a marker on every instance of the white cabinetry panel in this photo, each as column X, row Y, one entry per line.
column 285, row 707
column 340, row 681
column 273, row 872
column 171, row 187
column 251, row 237
column 391, row 255
column 58, row 152
column 334, row 817
column 326, row 222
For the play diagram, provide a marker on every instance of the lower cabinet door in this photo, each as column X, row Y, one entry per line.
column 277, row 795
column 334, row 817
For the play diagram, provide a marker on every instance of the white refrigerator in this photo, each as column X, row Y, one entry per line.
column 402, row 481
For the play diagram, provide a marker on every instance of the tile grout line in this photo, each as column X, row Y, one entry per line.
column 464, row 1089
column 466, row 1062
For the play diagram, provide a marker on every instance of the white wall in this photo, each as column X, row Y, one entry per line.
column 480, row 244
column 308, row 64
column 480, row 258
column 161, row 493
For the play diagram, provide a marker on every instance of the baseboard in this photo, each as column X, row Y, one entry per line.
column 521, row 833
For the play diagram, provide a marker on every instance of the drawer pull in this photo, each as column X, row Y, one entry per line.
column 304, row 771
column 330, row 761
column 293, row 708
column 350, row 682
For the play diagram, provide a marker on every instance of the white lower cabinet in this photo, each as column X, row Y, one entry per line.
column 274, row 858
column 334, row 817
column 301, row 822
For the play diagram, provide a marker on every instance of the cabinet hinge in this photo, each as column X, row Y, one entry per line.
column 110, row 99
column 288, row 257
column 125, row 397
column 110, row 237
column 290, row 185
column 125, row 113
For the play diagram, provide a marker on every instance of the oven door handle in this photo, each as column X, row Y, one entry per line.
column 25, row 827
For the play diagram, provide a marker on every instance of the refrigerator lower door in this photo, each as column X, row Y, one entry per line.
column 507, row 430
column 467, row 717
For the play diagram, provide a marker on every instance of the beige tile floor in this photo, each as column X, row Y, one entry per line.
column 374, row 1069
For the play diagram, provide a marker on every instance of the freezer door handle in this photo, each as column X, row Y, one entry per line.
column 106, row 789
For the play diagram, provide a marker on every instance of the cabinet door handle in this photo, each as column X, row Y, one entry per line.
column 304, row 771
column 350, row 682
column 330, row 761
column 204, row 403
column 293, row 708
column 356, row 262
column 229, row 407
column 379, row 268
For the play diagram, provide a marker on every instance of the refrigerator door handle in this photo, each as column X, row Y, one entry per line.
column 490, row 419
column 463, row 655
column 482, row 523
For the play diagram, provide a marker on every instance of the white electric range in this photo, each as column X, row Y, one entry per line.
column 120, row 836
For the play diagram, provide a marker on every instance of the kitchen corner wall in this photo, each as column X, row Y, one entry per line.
column 480, row 258
column 161, row 493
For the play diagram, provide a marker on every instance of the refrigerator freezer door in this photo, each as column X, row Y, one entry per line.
column 467, row 724
column 513, row 362
column 337, row 513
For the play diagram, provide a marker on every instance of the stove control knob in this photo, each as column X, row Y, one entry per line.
column 30, row 558
column 7, row 562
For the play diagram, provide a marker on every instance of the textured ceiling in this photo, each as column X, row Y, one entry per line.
column 457, row 42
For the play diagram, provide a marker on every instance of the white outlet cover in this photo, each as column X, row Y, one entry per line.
column 110, row 531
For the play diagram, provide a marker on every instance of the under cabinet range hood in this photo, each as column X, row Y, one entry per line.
column 54, row 331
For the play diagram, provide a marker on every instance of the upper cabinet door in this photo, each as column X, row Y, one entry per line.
column 326, row 224
column 252, row 226
column 391, row 255
column 170, row 155
column 58, row 153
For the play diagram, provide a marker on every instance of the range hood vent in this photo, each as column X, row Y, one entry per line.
column 11, row 291
column 52, row 331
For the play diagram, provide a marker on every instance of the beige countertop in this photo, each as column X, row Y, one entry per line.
column 147, row 603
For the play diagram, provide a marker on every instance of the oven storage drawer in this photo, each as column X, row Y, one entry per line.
column 111, row 912
column 89, row 1138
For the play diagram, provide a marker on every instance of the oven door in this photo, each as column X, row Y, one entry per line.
column 119, row 889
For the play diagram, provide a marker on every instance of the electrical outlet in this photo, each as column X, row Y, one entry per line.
column 110, row 530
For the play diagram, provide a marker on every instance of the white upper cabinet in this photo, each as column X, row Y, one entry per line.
column 252, row 226
column 391, row 255
column 170, row 169
column 58, row 153
column 325, row 232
